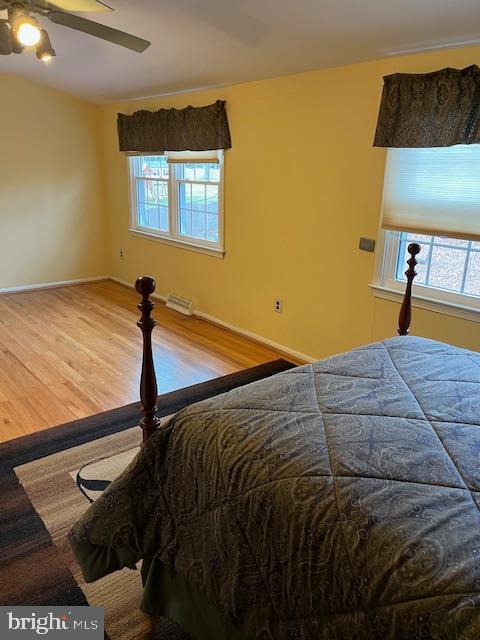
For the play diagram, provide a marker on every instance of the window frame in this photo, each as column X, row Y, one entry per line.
column 387, row 286
column 173, row 236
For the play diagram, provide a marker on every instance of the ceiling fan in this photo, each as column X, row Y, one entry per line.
column 22, row 29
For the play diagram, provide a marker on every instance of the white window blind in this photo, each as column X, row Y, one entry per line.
column 194, row 157
column 433, row 191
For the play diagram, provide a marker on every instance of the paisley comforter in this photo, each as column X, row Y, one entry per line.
column 339, row 500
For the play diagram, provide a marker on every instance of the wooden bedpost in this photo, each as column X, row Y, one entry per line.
column 148, row 383
column 406, row 311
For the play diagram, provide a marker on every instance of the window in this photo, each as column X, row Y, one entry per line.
column 178, row 197
column 444, row 263
column 432, row 197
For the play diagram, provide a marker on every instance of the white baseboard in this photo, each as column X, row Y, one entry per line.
column 52, row 285
column 253, row 336
column 243, row 332
column 124, row 282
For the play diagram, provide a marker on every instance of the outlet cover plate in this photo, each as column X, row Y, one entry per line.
column 367, row 244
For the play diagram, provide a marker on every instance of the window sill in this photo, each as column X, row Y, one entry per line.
column 429, row 304
column 179, row 244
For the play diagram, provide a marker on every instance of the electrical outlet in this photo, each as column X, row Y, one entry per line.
column 121, row 254
column 278, row 305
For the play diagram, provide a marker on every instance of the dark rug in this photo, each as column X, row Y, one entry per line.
column 39, row 502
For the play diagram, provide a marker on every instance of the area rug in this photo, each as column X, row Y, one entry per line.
column 47, row 481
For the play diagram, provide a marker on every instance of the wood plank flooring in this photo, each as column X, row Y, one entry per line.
column 74, row 351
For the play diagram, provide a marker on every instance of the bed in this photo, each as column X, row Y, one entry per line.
column 337, row 500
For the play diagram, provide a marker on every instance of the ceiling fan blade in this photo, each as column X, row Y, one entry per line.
column 99, row 30
column 79, row 5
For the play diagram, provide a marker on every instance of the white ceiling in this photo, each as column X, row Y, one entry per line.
column 205, row 43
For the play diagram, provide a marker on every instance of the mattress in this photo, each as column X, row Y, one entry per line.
column 337, row 500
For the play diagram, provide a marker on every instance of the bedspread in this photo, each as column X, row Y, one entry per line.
column 337, row 500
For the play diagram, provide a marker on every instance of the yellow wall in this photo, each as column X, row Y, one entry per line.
column 52, row 214
column 303, row 183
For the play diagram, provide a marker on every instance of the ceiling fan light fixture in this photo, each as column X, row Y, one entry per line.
column 45, row 51
column 25, row 32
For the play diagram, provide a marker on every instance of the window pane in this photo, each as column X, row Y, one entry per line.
column 198, row 224
column 162, row 193
column 188, row 171
column 416, row 237
column 150, row 191
column 212, row 227
column 142, row 195
column 142, row 214
column 447, row 267
column 198, row 196
column 186, row 190
column 209, row 172
column 198, row 201
column 200, row 172
column 149, row 166
column 152, row 204
column 472, row 282
column 185, row 224
column 212, row 199
column 214, row 172
column 450, row 242
column 148, row 216
column 163, row 226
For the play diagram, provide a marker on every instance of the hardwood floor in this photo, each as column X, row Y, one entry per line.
column 74, row 351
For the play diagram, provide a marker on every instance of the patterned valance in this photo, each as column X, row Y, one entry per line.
column 438, row 109
column 189, row 129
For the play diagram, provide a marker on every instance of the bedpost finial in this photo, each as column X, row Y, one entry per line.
column 145, row 285
column 414, row 249
column 405, row 316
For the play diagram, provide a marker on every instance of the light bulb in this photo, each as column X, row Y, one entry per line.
column 28, row 34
